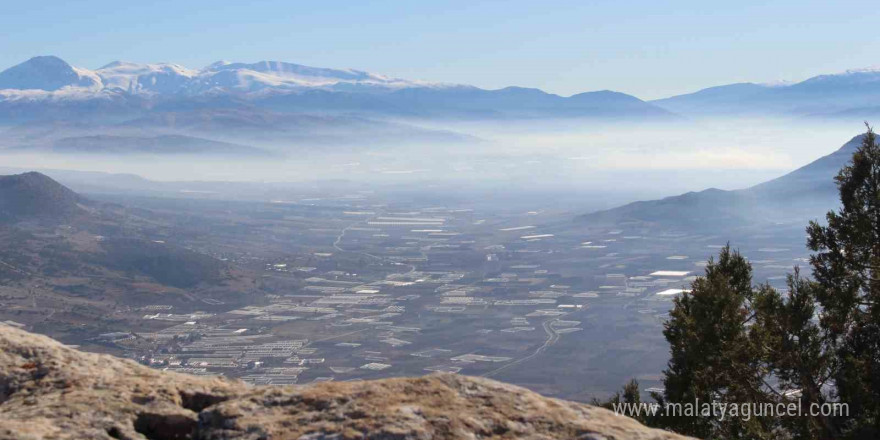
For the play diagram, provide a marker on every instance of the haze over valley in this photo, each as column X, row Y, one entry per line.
column 281, row 122
column 317, row 203
column 555, row 285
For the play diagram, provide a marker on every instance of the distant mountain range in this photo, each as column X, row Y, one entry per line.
column 268, row 108
column 273, row 108
column 225, row 132
column 49, row 73
column 804, row 194
column 851, row 95
column 47, row 85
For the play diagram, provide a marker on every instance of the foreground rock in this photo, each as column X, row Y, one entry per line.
column 48, row 391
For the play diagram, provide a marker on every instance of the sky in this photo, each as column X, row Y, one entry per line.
column 650, row 49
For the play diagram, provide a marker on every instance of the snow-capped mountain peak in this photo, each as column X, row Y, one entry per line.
column 279, row 74
column 851, row 77
column 136, row 78
column 47, row 73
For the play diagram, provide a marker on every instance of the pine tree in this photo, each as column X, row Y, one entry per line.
column 794, row 354
column 713, row 354
column 628, row 397
column 816, row 343
column 846, row 266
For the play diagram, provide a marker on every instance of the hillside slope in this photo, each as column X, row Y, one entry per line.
column 48, row 390
column 33, row 194
column 803, row 194
column 75, row 267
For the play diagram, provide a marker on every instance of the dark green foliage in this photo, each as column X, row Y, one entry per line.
column 846, row 265
column 629, row 397
column 818, row 343
column 792, row 346
column 629, row 394
column 713, row 351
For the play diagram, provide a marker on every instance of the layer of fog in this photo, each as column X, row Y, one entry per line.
column 619, row 160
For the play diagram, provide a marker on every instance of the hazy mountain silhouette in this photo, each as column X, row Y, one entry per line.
column 35, row 195
column 805, row 193
column 853, row 93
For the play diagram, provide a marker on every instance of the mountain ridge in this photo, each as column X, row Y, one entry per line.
column 825, row 95
column 35, row 195
column 803, row 194
column 120, row 87
column 49, row 78
column 47, row 73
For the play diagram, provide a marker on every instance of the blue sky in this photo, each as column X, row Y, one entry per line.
column 650, row 49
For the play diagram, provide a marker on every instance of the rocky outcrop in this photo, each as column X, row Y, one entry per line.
column 49, row 391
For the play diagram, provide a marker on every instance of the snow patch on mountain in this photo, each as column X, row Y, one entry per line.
column 50, row 77
column 145, row 78
column 47, row 73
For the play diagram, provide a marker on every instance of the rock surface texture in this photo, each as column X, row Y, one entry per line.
column 49, row 391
